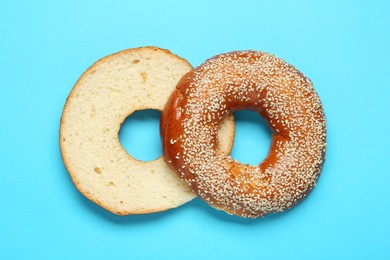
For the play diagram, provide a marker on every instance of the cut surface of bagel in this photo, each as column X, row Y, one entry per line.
column 104, row 96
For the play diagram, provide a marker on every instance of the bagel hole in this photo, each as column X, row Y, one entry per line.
column 252, row 139
column 140, row 135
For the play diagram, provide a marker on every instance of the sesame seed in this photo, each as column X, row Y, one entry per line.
column 285, row 98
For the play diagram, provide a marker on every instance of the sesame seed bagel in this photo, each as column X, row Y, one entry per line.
column 105, row 95
column 277, row 91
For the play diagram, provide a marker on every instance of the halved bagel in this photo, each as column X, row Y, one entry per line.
column 104, row 96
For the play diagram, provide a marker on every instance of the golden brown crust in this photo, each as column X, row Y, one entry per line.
column 277, row 91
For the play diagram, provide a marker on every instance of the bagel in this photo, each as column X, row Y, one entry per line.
column 104, row 96
column 277, row 91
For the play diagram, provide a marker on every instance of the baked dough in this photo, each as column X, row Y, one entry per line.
column 105, row 95
column 288, row 102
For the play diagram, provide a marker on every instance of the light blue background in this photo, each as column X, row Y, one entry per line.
column 343, row 46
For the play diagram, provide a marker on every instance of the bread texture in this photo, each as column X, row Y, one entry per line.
column 104, row 96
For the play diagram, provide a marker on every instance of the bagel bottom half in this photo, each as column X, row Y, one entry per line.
column 104, row 96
